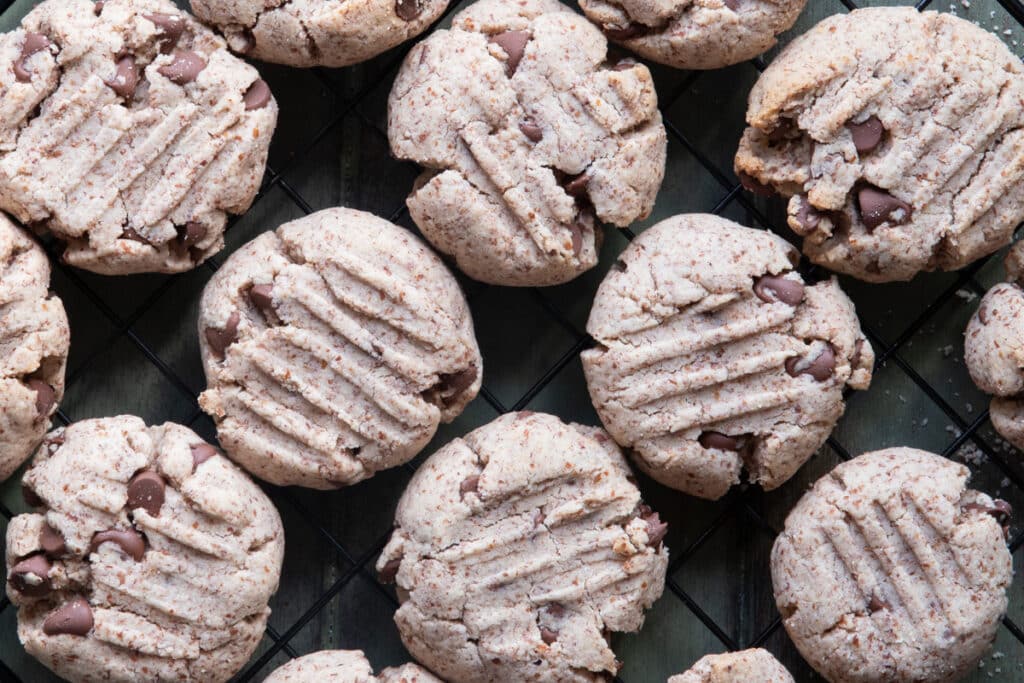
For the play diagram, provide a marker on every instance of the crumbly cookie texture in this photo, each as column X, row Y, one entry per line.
column 897, row 136
column 694, row 34
column 994, row 349
column 713, row 355
column 149, row 554
column 345, row 666
column 890, row 569
column 317, row 33
column 34, row 340
column 748, row 666
column 529, row 136
column 518, row 549
column 333, row 348
column 129, row 131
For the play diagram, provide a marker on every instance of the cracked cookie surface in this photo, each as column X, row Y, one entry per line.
column 891, row 569
column 896, row 135
column 128, row 131
column 694, row 34
column 748, row 666
column 148, row 554
column 518, row 549
column 333, row 347
column 994, row 349
column 34, row 341
column 345, row 666
column 306, row 33
column 529, row 136
column 713, row 355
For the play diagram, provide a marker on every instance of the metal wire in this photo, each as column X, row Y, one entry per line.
column 741, row 501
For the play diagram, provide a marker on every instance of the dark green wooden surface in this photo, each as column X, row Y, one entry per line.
column 725, row 572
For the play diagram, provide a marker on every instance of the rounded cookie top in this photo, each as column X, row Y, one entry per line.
column 148, row 551
column 530, row 136
column 713, row 355
column 898, row 138
column 694, row 34
column 128, row 131
column 518, row 548
column 317, row 33
column 736, row 667
column 34, row 339
column 890, row 569
column 333, row 348
column 345, row 666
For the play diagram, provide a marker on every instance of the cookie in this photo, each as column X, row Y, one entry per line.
column 317, row 33
column 345, row 666
column 530, row 136
column 694, row 34
column 129, row 132
column 898, row 138
column 890, row 569
column 149, row 555
column 713, row 355
column 34, row 340
column 333, row 347
column 518, row 549
column 994, row 349
column 736, row 667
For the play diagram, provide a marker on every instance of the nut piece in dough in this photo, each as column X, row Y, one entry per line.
column 333, row 347
column 518, row 548
column 891, row 569
column 318, row 32
column 713, row 355
column 897, row 136
column 34, row 340
column 128, row 131
column 748, row 666
column 345, row 666
column 530, row 138
column 113, row 577
column 694, row 34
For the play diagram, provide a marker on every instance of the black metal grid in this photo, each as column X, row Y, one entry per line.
column 743, row 502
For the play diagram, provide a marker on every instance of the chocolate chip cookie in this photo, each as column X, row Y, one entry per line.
column 518, row 549
column 694, row 34
column 319, row 32
column 713, row 355
column 34, row 340
column 149, row 556
column 748, row 666
column 530, row 136
column 994, row 349
column 345, row 666
column 333, row 348
column 897, row 136
column 891, row 569
column 128, row 131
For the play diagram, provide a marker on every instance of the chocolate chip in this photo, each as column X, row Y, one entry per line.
column 877, row 206
column 32, row 498
column 807, row 216
column 133, row 235
column 184, row 68
column 858, row 350
column 547, row 635
column 30, row 576
column 619, row 265
column 389, row 571
column 656, row 529
column 262, row 297
column 775, row 288
column 514, row 45
column 625, row 64
column 191, row 233
column 876, row 604
column 999, row 509
column 257, row 96
column 719, row 441
column 73, row 618
column 126, row 78
column 469, row 485
column 866, row 135
column 626, row 32
column 170, row 29
column 201, row 454
column 555, row 609
column 51, row 541
column 46, row 397
column 220, row 338
column 820, row 368
column 732, row 4
column 983, row 314
column 531, row 130
column 34, row 42
column 577, row 185
column 130, row 541
column 146, row 491
column 577, row 237
column 457, row 382
column 407, row 10
column 752, row 184
column 97, row 8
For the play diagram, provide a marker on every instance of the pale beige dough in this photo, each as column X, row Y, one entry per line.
column 748, row 666
column 345, row 666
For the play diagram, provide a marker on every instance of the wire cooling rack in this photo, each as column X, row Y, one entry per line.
column 134, row 350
